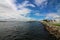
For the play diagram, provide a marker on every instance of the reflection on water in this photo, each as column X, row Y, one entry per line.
column 23, row 31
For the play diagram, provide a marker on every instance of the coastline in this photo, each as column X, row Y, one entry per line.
column 52, row 30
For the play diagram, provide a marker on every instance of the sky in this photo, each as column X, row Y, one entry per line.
column 29, row 9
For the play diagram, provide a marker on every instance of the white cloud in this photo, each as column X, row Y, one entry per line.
column 52, row 16
column 8, row 11
column 11, row 3
column 24, row 11
column 37, row 14
column 25, row 4
column 30, row 5
column 40, row 2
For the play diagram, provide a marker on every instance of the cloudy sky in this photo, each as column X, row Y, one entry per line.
column 29, row 9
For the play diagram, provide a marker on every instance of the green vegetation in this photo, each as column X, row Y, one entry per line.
column 56, row 24
column 50, row 22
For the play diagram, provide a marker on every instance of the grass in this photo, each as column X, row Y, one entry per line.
column 56, row 24
column 51, row 23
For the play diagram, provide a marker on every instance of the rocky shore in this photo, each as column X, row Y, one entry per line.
column 53, row 30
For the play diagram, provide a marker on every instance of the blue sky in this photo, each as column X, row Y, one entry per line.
column 29, row 9
column 41, row 7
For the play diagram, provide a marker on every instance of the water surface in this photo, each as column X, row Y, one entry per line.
column 23, row 31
